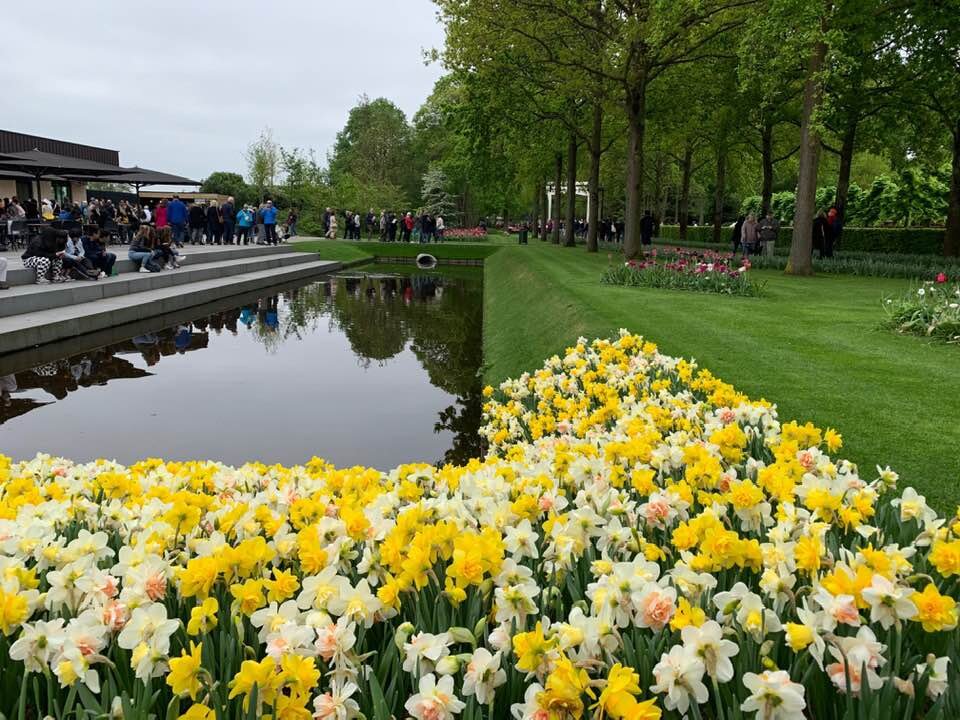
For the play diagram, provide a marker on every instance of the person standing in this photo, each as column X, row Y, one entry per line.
column 646, row 228
column 836, row 227
column 441, row 226
column 244, row 225
column 391, row 226
column 214, row 228
column 408, row 223
column 292, row 218
column 749, row 235
column 768, row 229
column 228, row 218
column 331, row 227
column 383, row 226
column 269, row 217
column 823, row 235
column 177, row 217
column 159, row 219
column 198, row 221
column 737, row 237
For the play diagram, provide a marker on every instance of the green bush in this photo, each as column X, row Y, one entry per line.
column 918, row 241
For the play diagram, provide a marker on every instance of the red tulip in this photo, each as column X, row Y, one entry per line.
column 941, row 278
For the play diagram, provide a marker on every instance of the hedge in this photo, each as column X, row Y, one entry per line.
column 920, row 241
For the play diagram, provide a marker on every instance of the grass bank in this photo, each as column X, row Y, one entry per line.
column 811, row 345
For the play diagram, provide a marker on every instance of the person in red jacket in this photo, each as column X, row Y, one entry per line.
column 407, row 227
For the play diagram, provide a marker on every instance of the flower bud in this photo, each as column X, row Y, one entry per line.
column 462, row 635
column 480, row 627
column 403, row 634
column 449, row 665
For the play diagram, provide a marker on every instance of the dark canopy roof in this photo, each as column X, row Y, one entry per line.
column 142, row 176
column 37, row 162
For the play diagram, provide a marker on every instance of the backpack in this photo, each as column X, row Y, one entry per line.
column 153, row 264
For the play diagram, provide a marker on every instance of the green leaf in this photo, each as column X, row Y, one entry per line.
column 380, row 709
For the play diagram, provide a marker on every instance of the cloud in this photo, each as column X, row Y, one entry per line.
column 183, row 87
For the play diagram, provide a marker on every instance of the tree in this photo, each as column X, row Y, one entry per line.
column 436, row 199
column 230, row 184
column 263, row 162
column 375, row 147
column 930, row 44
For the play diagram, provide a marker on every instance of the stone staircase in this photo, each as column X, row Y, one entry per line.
column 33, row 314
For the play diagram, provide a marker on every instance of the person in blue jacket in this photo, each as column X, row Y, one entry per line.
column 177, row 218
column 244, row 225
column 269, row 217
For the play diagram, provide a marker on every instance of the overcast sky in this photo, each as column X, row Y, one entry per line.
column 183, row 87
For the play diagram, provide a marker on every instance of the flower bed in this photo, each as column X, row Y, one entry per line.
column 475, row 233
column 641, row 540
column 932, row 310
column 686, row 269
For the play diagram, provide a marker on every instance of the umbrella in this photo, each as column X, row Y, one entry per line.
column 39, row 164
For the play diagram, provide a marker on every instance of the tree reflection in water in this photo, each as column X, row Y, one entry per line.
column 439, row 318
column 380, row 314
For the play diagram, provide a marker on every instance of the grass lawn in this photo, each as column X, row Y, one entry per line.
column 811, row 345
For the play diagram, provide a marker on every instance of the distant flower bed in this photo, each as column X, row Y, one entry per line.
column 932, row 310
column 476, row 233
column 684, row 269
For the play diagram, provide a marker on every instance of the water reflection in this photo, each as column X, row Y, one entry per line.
column 384, row 318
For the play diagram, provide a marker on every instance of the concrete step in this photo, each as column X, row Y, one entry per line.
column 34, row 298
column 37, row 328
column 196, row 254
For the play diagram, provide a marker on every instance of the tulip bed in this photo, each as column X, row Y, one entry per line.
column 685, row 269
column 641, row 541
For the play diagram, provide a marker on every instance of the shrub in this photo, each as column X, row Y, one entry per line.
column 931, row 310
column 921, row 241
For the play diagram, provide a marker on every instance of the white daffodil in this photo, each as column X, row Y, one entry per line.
column 773, row 696
column 707, row 643
column 679, row 675
column 483, row 675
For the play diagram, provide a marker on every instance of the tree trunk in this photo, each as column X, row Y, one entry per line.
column 846, row 161
column 683, row 203
column 556, row 200
column 766, row 162
column 569, row 237
column 593, row 217
column 951, row 238
column 719, row 195
column 801, row 248
column 637, row 117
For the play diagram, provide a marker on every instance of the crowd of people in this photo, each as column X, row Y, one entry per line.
column 388, row 226
column 74, row 246
column 758, row 237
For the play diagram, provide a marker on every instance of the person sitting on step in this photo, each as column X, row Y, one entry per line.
column 141, row 247
column 95, row 249
column 44, row 254
column 166, row 252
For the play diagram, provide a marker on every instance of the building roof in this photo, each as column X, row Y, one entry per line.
column 142, row 176
column 13, row 142
column 39, row 162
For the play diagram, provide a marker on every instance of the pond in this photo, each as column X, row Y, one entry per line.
column 368, row 367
